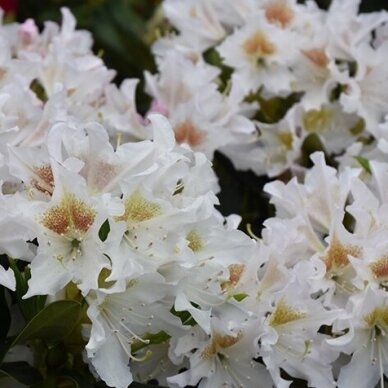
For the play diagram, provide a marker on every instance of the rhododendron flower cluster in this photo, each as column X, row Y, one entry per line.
column 112, row 214
column 321, row 72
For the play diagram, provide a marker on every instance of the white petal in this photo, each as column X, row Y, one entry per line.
column 111, row 363
column 7, row 278
column 48, row 276
column 360, row 372
column 163, row 134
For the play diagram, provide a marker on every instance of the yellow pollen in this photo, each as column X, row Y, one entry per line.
column 70, row 215
column 209, row 351
column 380, row 268
column 195, row 242
column 317, row 120
column 259, row 45
column 187, row 132
column 337, row 255
column 377, row 317
column 279, row 12
column 219, row 342
column 284, row 314
column 317, row 56
column 286, row 139
column 138, row 209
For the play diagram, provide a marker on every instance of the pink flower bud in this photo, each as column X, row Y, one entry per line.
column 158, row 106
column 28, row 32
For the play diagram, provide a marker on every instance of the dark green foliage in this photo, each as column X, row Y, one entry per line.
column 31, row 306
column 242, row 193
column 21, row 371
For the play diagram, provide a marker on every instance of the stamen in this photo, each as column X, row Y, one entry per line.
column 109, row 314
column 380, row 364
column 118, row 139
column 372, row 348
column 251, row 233
column 195, row 242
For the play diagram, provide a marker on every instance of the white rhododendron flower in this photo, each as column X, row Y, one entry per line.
column 366, row 324
column 222, row 358
column 187, row 93
column 120, row 319
column 261, row 53
column 67, row 232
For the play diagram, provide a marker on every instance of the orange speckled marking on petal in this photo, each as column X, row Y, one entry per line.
column 45, row 181
column 317, row 56
column 71, row 214
column 279, row 12
column 379, row 268
column 219, row 342
column 99, row 174
column 187, row 132
column 337, row 255
column 259, row 44
column 235, row 271
column 56, row 219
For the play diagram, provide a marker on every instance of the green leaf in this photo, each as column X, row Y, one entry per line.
column 21, row 282
column 185, row 317
column 104, row 231
column 127, row 19
column 358, row 128
column 52, row 324
column 311, row 144
column 152, row 339
column 242, row 193
column 49, row 382
column 21, row 371
column 31, row 306
column 273, row 109
column 240, row 297
column 364, row 163
column 5, row 320
column 139, row 385
column 213, row 57
column 5, row 345
column 77, row 379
